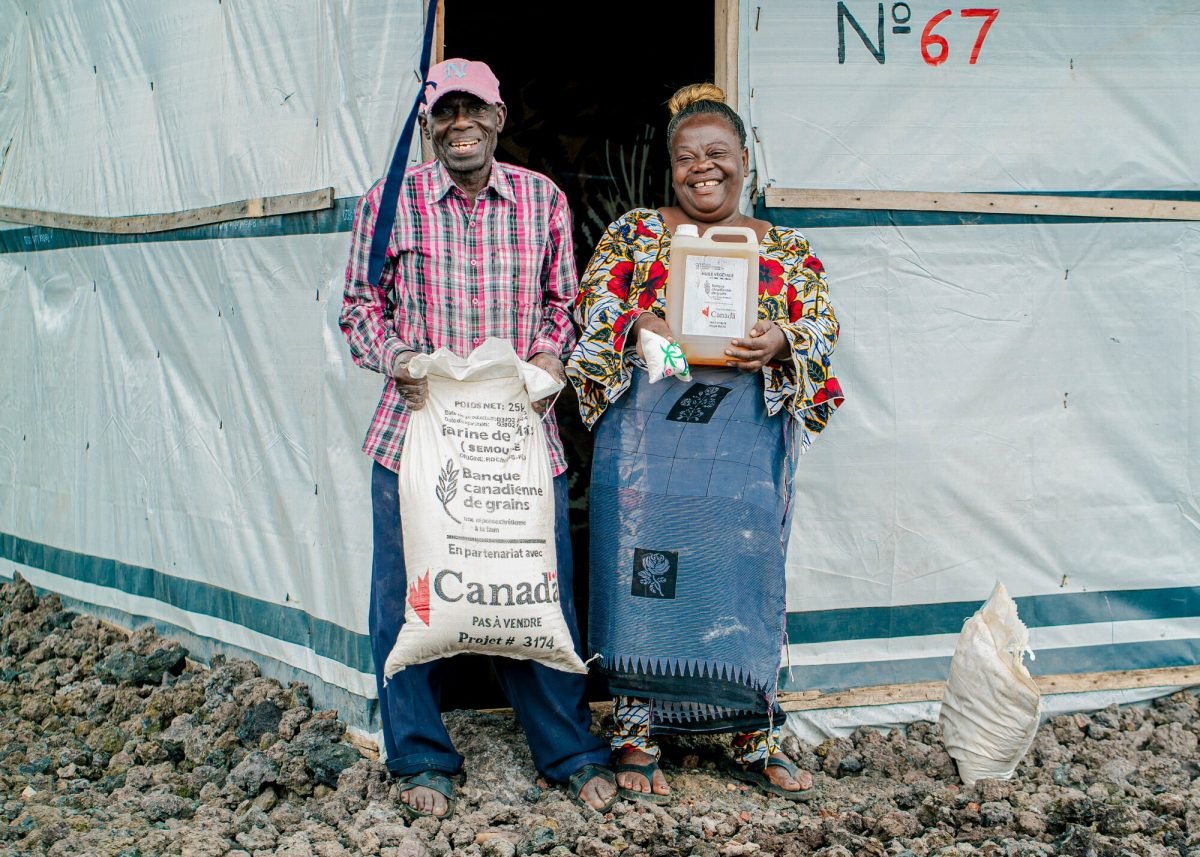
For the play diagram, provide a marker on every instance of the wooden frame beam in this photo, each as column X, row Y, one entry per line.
column 727, row 20
column 983, row 203
column 292, row 203
column 931, row 691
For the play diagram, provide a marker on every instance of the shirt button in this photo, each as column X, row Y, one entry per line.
column 473, row 263
column 475, row 301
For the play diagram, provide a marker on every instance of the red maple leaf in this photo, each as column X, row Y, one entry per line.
column 418, row 597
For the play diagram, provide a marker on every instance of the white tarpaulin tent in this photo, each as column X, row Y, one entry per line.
column 180, row 421
column 180, row 427
column 1022, row 391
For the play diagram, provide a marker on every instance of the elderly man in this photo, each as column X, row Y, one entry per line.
column 479, row 249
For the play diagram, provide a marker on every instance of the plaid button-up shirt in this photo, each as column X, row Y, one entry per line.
column 455, row 274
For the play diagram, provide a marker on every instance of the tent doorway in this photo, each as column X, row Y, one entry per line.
column 587, row 107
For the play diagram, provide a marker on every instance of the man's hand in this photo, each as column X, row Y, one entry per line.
column 553, row 367
column 765, row 343
column 651, row 322
column 414, row 390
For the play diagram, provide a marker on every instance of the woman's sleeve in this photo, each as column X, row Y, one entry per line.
column 622, row 280
column 803, row 381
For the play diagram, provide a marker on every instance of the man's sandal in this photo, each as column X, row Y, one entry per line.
column 437, row 781
column 648, row 771
column 585, row 775
column 756, row 773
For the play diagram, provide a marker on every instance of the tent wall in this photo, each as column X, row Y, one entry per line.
column 1022, row 392
column 137, row 107
column 180, row 424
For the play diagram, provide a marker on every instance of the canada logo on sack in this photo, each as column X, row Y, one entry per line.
column 448, row 586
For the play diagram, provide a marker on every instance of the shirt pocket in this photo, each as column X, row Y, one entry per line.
column 514, row 316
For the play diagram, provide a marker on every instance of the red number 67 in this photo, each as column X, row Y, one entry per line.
column 928, row 37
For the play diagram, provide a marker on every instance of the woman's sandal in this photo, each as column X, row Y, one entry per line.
column 438, row 781
column 585, row 775
column 648, row 770
column 756, row 773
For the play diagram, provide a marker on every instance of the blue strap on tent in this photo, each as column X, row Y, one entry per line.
column 386, row 216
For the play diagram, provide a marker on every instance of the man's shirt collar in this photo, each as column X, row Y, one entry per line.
column 499, row 181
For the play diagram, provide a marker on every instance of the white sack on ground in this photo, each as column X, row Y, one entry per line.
column 991, row 705
column 477, row 507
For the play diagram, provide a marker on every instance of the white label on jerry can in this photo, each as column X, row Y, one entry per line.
column 714, row 297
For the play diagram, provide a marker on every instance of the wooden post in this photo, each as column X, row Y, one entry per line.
column 725, row 43
column 439, row 54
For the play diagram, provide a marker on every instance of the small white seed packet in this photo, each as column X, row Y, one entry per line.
column 664, row 358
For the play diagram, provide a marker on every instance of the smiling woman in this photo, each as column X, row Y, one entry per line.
column 691, row 484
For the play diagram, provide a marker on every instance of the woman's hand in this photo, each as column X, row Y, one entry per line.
column 764, row 343
column 651, row 322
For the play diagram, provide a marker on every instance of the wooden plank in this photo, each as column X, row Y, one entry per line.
column 887, row 694
column 1120, row 680
column 982, row 203
column 931, row 691
column 137, row 224
column 439, row 33
column 727, row 18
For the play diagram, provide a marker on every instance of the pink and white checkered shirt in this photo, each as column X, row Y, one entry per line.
column 456, row 274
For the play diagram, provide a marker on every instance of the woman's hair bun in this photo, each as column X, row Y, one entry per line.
column 687, row 95
column 702, row 99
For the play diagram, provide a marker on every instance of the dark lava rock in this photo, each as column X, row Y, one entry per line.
column 113, row 744
column 328, row 761
column 259, row 719
column 124, row 667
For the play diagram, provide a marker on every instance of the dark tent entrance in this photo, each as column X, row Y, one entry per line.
column 587, row 107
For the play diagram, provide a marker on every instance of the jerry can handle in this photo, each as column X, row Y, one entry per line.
column 744, row 231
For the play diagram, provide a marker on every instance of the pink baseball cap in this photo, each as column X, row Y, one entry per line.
column 459, row 75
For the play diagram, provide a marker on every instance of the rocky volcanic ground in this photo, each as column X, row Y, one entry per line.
column 116, row 745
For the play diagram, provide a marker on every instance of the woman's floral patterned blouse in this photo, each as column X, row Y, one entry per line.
column 627, row 276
